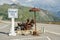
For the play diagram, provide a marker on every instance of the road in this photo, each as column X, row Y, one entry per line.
column 51, row 32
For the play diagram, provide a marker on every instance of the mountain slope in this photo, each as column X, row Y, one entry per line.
column 24, row 13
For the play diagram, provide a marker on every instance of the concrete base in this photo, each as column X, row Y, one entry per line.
column 12, row 34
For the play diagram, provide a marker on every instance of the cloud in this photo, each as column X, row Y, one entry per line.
column 29, row 0
column 13, row 0
column 52, row 5
column 5, row 1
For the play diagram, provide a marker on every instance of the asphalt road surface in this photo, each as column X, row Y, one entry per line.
column 51, row 32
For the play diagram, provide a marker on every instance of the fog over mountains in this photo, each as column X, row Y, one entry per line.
column 50, row 5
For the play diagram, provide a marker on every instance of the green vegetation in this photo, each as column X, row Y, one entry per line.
column 23, row 14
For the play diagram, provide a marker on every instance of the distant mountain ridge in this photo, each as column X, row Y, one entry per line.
column 24, row 13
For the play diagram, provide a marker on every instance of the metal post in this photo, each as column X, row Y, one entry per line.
column 12, row 31
column 35, row 20
column 43, row 29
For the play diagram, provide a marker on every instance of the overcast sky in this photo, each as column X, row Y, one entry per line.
column 53, row 5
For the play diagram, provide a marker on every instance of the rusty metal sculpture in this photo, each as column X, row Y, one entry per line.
column 25, row 26
column 34, row 10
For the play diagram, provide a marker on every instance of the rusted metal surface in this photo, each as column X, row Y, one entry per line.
column 34, row 10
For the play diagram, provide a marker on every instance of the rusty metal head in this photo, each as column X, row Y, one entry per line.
column 34, row 9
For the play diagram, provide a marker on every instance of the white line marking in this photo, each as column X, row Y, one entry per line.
column 52, row 32
column 48, row 38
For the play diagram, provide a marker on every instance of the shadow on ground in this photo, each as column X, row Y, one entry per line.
column 4, row 33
